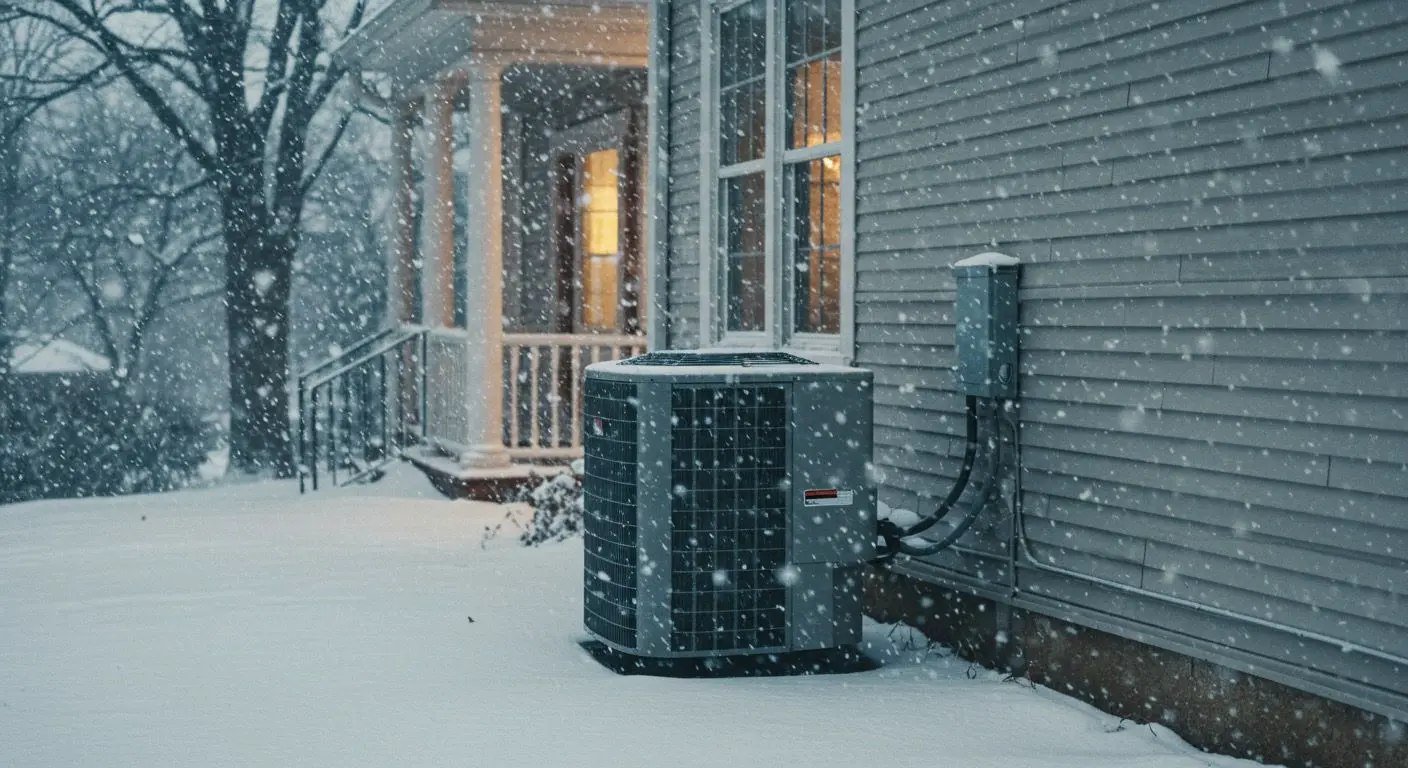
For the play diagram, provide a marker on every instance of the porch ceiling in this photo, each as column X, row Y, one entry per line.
column 413, row 41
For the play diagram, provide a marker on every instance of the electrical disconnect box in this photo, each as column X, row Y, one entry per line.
column 985, row 327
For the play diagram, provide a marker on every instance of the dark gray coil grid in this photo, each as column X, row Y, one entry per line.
column 728, row 514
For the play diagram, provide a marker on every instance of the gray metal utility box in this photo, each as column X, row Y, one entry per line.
column 985, row 325
column 728, row 503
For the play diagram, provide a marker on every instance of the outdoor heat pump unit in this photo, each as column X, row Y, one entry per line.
column 728, row 507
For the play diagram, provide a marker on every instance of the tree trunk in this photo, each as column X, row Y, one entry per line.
column 9, row 242
column 9, row 192
column 258, row 271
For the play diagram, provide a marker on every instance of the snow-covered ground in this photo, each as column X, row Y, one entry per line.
column 246, row 626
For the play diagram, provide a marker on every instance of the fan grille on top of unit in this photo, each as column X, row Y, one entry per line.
column 609, row 510
column 728, row 515
column 747, row 359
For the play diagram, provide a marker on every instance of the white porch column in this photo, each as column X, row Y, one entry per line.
column 400, row 276
column 485, row 250
column 437, row 246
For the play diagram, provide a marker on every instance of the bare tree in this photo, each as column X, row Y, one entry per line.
column 126, row 223
column 37, row 68
column 260, row 77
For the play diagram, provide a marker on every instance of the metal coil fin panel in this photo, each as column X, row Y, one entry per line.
column 728, row 517
column 609, row 510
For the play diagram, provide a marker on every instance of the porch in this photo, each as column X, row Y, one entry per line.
column 514, row 232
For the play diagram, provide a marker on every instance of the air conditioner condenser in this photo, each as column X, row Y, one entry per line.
column 728, row 504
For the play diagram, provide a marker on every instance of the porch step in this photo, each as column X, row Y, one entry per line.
column 458, row 482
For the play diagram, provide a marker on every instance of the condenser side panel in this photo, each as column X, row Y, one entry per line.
column 832, row 493
column 609, row 511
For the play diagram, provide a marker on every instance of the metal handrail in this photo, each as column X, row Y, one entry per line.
column 377, row 352
column 353, row 410
column 372, row 339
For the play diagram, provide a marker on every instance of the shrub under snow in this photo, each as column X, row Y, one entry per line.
column 557, row 508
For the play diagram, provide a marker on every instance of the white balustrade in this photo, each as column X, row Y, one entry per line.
column 543, row 376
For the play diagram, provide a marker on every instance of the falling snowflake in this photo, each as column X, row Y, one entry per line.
column 1327, row 64
column 263, row 281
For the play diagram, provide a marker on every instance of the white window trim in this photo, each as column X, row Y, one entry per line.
column 838, row 348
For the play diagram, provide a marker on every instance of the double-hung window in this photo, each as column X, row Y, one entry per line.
column 777, row 257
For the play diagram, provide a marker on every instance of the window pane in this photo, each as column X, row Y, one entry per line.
column 813, row 72
column 600, row 293
column 741, row 102
column 600, row 242
column 815, row 244
column 814, row 102
column 833, row 25
column 806, row 23
column 600, row 226
column 743, row 205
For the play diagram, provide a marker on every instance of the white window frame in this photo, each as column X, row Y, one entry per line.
column 777, row 314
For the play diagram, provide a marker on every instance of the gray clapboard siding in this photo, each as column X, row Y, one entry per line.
column 1171, row 369
column 902, row 377
column 973, row 139
column 1266, row 534
column 1315, row 344
column 1331, row 620
column 1195, row 487
column 1256, row 536
column 923, row 399
column 901, row 178
column 1289, row 466
column 1294, row 193
column 1328, row 344
column 1045, row 535
column 913, row 460
column 1130, row 394
column 1280, row 165
column 1365, row 443
column 1387, row 477
column 1056, row 218
column 1272, row 242
column 683, row 226
column 1308, row 407
column 1293, row 590
column 1381, row 379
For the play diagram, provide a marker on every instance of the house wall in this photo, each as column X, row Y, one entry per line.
column 1211, row 201
column 682, row 142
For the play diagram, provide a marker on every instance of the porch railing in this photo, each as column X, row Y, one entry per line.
column 543, row 377
column 359, row 410
column 449, row 396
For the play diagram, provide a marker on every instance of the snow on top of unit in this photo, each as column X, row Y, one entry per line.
column 56, row 356
column 989, row 259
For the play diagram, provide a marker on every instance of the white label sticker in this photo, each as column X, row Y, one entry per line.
column 838, row 499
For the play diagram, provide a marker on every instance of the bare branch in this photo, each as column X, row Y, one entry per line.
column 284, row 24
column 89, row 28
column 317, row 169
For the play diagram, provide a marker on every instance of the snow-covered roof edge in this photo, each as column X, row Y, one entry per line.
column 55, row 356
